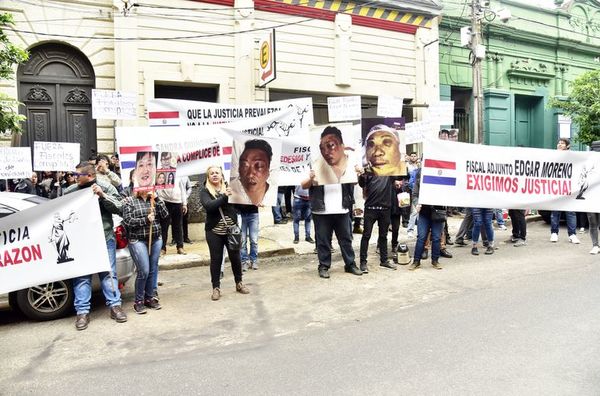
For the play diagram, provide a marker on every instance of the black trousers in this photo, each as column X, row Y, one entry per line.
column 325, row 226
column 175, row 220
column 519, row 225
column 382, row 217
column 216, row 243
column 395, row 220
column 184, row 222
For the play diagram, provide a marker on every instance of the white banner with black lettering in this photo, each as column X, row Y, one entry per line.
column 469, row 175
column 59, row 239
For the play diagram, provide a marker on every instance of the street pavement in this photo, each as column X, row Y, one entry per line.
column 503, row 311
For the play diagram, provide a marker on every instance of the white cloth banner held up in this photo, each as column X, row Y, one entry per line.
column 469, row 175
column 60, row 239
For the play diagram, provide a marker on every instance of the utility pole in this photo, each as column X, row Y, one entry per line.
column 477, row 52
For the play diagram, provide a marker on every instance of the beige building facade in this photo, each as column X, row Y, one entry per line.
column 208, row 50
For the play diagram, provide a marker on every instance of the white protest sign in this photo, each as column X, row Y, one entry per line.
column 114, row 105
column 481, row 176
column 55, row 156
column 440, row 113
column 344, row 108
column 173, row 112
column 15, row 163
column 59, row 239
column 389, row 106
column 417, row 131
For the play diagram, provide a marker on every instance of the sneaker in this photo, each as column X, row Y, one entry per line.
column 595, row 250
column 364, row 268
column 502, row 227
column 410, row 234
column 436, row 265
column 352, row 269
column 512, row 239
column 489, row 250
column 460, row 242
column 254, row 265
column 152, row 303
column 216, row 294
column 324, row 273
column 296, row 240
column 244, row 266
column 388, row 264
column 139, row 308
column 554, row 237
column 475, row 251
column 309, row 239
column 573, row 239
column 415, row 265
column 241, row 288
column 582, row 230
column 520, row 243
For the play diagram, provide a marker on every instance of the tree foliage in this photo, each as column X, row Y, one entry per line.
column 583, row 106
column 10, row 55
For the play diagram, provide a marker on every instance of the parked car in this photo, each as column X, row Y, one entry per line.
column 55, row 300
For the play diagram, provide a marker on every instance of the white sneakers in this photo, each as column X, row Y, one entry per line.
column 573, row 239
column 502, row 227
column 554, row 237
column 595, row 250
column 410, row 234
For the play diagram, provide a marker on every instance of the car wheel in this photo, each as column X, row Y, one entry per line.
column 46, row 302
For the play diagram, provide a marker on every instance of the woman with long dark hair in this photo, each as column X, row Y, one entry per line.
column 219, row 216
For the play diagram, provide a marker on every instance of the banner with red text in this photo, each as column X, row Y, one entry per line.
column 469, row 175
column 59, row 239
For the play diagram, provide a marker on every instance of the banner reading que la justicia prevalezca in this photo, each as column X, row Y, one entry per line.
column 59, row 239
column 469, row 175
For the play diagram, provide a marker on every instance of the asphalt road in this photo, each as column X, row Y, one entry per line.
column 522, row 321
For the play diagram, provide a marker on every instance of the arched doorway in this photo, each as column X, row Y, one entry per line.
column 56, row 87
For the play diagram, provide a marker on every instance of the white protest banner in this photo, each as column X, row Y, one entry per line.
column 417, row 131
column 389, row 106
column 15, row 163
column 114, row 105
column 440, row 113
column 344, row 108
column 59, row 239
column 469, row 175
column 173, row 112
column 55, row 156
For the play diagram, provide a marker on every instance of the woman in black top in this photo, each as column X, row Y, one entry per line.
column 215, row 196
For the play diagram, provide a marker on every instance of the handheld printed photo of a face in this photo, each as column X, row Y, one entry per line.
column 254, row 171
column 334, row 153
column 165, row 174
column 145, row 171
column 383, row 148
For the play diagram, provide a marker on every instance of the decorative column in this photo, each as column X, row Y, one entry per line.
column 498, row 80
column 343, row 36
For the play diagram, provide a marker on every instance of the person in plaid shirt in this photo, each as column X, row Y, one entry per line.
column 138, row 218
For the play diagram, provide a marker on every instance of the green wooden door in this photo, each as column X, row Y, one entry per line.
column 523, row 122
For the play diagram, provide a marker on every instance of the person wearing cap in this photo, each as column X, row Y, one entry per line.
column 252, row 185
column 334, row 166
column 382, row 152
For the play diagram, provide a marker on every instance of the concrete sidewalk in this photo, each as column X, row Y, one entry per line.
column 277, row 240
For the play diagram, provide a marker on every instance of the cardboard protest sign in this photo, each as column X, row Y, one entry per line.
column 144, row 178
column 417, row 131
column 15, row 163
column 114, row 105
column 440, row 113
column 389, row 106
column 344, row 108
column 336, row 153
column 255, row 171
column 384, row 146
column 470, row 175
column 167, row 167
column 55, row 156
column 59, row 239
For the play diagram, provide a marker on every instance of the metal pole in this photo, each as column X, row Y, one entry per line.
column 477, row 79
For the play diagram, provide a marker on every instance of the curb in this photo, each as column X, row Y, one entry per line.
column 205, row 262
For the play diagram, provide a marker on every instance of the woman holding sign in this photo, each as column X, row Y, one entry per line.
column 220, row 215
column 144, row 233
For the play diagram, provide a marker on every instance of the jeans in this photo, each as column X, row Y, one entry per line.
column 382, row 217
column 82, row 286
column 277, row 214
column 249, row 229
column 482, row 217
column 571, row 222
column 325, row 225
column 146, row 265
column 423, row 227
column 216, row 243
column 301, row 212
column 499, row 216
column 414, row 215
column 176, row 222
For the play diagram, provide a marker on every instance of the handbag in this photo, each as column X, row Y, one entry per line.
column 234, row 234
column 438, row 215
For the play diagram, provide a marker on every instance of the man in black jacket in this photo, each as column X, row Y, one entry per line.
column 330, row 206
column 378, row 190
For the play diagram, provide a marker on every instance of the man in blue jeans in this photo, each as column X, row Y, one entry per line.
column 249, row 214
column 110, row 203
column 302, row 211
column 563, row 144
